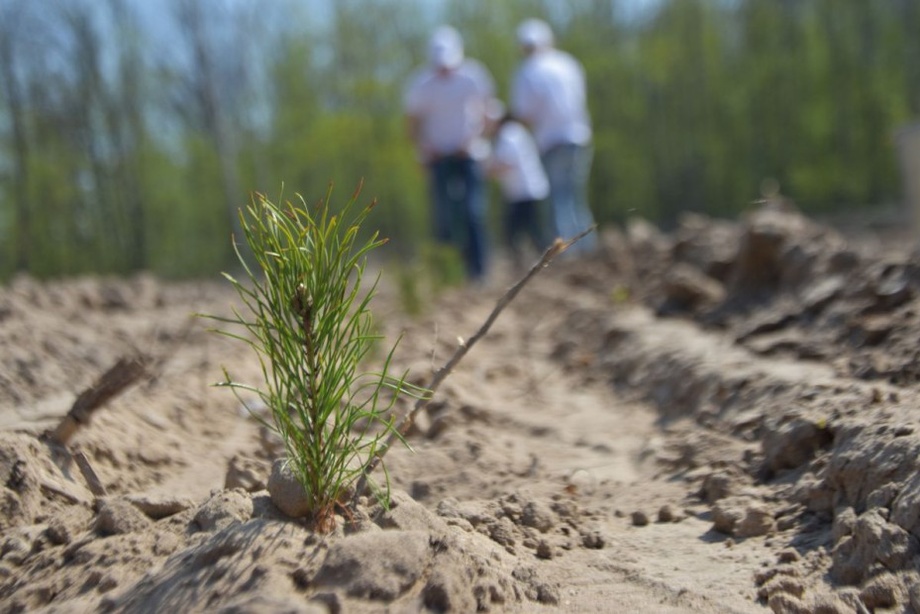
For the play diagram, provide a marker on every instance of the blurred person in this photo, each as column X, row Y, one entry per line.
column 549, row 94
column 445, row 104
column 515, row 163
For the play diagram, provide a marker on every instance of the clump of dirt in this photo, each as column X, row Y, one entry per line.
column 718, row 418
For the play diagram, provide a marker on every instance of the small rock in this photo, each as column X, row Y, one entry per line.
column 547, row 594
column 667, row 513
column 639, row 518
column 420, row 490
column 286, row 491
column 593, row 540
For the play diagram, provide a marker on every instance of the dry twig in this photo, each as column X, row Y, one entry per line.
column 92, row 480
column 119, row 376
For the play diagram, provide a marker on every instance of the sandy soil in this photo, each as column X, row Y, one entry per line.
column 719, row 419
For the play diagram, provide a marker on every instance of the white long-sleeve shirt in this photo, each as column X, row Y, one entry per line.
column 517, row 165
column 549, row 93
column 450, row 108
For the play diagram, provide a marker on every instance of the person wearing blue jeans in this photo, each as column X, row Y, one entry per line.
column 567, row 167
column 445, row 104
column 549, row 94
column 459, row 209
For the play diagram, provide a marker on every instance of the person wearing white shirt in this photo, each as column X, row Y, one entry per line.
column 445, row 104
column 549, row 94
column 515, row 163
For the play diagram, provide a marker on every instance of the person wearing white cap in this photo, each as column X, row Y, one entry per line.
column 549, row 94
column 445, row 104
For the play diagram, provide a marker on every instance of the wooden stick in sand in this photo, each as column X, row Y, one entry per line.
column 92, row 480
column 119, row 376
column 441, row 374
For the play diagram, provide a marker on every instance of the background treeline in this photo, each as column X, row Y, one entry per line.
column 132, row 130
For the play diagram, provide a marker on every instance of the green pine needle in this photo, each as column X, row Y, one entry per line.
column 307, row 319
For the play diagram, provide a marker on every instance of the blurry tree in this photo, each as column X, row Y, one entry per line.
column 208, row 89
column 129, row 135
column 13, row 88
column 128, row 142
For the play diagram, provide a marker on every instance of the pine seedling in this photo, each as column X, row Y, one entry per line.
column 307, row 319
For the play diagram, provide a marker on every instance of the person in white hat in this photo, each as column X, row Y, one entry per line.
column 549, row 94
column 445, row 104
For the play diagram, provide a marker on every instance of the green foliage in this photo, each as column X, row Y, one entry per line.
column 118, row 160
column 309, row 322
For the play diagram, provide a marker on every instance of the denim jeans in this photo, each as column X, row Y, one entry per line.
column 567, row 167
column 459, row 209
column 523, row 219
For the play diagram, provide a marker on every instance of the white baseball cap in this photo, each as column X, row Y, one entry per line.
column 445, row 49
column 534, row 34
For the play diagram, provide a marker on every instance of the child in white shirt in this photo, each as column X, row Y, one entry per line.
column 515, row 163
